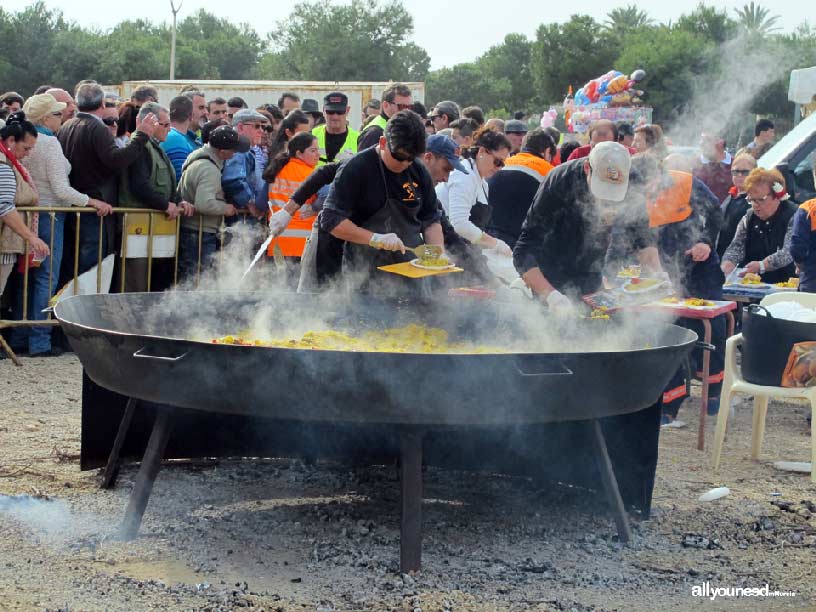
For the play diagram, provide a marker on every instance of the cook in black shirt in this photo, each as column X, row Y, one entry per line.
column 564, row 238
column 382, row 200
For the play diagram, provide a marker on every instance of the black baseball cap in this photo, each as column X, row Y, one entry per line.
column 309, row 105
column 335, row 101
column 226, row 138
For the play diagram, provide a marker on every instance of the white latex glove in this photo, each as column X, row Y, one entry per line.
column 278, row 222
column 558, row 303
column 502, row 248
column 387, row 242
column 520, row 286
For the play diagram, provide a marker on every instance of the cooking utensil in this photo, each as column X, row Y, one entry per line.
column 412, row 271
column 427, row 251
column 277, row 255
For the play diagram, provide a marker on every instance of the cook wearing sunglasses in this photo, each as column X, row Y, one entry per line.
column 762, row 241
column 381, row 203
column 736, row 204
column 394, row 99
column 465, row 196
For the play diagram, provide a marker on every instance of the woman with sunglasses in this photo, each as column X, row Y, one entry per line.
column 736, row 204
column 762, row 241
column 465, row 196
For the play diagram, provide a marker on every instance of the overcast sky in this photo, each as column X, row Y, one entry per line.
column 451, row 32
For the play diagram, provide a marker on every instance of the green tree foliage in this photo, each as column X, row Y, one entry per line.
column 498, row 79
column 323, row 41
column 232, row 51
column 570, row 54
column 467, row 84
column 707, row 63
column 624, row 21
column 756, row 19
column 673, row 60
column 708, row 22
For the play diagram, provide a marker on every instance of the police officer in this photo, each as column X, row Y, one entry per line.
column 335, row 139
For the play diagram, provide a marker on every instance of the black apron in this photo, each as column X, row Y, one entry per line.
column 766, row 237
column 480, row 212
column 360, row 262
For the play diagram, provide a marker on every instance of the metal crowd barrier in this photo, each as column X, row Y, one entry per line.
column 119, row 250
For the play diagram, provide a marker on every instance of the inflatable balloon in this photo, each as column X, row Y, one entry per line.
column 621, row 99
column 618, row 84
column 638, row 75
column 591, row 91
column 548, row 118
column 605, row 99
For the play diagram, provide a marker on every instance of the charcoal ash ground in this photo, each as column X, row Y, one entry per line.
column 284, row 535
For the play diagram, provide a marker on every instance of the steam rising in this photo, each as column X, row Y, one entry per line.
column 52, row 518
column 722, row 95
column 511, row 322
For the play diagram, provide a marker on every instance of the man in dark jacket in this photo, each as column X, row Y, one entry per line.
column 513, row 188
column 96, row 164
column 150, row 182
column 565, row 236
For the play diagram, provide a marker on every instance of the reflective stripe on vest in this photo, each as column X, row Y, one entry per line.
column 293, row 240
column 673, row 204
column 350, row 144
column 296, row 233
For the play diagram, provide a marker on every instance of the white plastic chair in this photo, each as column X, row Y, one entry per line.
column 734, row 383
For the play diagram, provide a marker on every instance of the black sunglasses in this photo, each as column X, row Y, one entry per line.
column 110, row 121
column 330, row 112
column 401, row 157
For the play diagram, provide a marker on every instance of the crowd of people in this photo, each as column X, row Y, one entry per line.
column 337, row 199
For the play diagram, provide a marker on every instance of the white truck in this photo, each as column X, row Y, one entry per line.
column 256, row 93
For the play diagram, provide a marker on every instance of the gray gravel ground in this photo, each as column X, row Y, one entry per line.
column 280, row 535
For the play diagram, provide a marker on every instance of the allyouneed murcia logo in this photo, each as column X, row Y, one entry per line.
column 706, row 590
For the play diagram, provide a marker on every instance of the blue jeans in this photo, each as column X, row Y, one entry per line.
column 40, row 290
column 188, row 253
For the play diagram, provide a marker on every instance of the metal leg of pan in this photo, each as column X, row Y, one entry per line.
column 151, row 462
column 610, row 483
column 112, row 467
column 411, row 485
column 7, row 350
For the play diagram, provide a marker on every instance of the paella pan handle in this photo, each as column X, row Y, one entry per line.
column 140, row 354
column 549, row 369
column 706, row 346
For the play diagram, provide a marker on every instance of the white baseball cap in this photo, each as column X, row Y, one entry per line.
column 610, row 163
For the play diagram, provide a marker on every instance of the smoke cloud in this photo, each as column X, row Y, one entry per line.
column 745, row 66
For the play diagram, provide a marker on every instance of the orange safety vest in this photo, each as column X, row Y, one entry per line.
column 810, row 208
column 293, row 239
column 673, row 204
